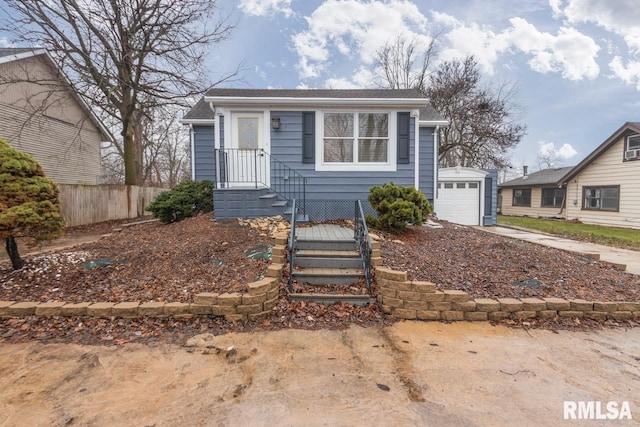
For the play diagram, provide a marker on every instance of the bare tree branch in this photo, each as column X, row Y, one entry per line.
column 126, row 57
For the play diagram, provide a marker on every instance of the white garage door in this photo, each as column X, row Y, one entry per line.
column 459, row 202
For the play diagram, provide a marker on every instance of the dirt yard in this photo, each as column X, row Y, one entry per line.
column 408, row 374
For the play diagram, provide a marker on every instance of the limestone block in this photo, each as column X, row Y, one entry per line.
column 476, row 316
column 230, row 299
column 176, row 308
column 50, row 308
column 452, row 315
column 437, row 296
column 427, row 315
column 464, row 306
column 580, row 305
column 151, row 308
column 605, row 306
column 456, row 296
column 440, row 305
column 557, row 304
column 487, row 305
column 75, row 309
column 27, row 308
column 125, row 309
column 423, row 287
column 510, row 305
column 100, row 309
column 404, row 313
column 533, row 304
column 570, row 313
column 206, row 298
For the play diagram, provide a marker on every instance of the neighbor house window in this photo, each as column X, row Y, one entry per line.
column 552, row 197
column 355, row 138
column 601, row 198
column 633, row 142
column 522, row 197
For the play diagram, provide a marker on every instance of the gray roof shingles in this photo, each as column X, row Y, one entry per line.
column 543, row 177
column 8, row 51
column 202, row 111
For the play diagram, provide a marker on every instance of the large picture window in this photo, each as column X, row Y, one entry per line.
column 522, row 197
column 601, row 198
column 552, row 197
column 355, row 138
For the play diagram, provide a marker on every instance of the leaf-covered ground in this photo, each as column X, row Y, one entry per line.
column 488, row 265
column 148, row 262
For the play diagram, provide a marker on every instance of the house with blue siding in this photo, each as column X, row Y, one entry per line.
column 325, row 148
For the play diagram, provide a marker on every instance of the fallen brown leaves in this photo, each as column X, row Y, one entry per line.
column 487, row 265
column 149, row 262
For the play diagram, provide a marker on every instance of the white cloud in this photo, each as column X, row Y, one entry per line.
column 621, row 17
column 4, row 42
column 355, row 29
column 629, row 73
column 266, row 7
column 570, row 53
column 362, row 78
column 548, row 150
column 464, row 40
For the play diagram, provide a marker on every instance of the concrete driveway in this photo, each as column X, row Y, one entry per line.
column 628, row 258
column 408, row 374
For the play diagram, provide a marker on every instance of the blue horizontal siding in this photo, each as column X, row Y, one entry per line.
column 426, row 179
column 286, row 146
column 204, row 153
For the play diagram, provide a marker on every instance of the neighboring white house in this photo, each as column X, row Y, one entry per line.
column 602, row 189
column 605, row 187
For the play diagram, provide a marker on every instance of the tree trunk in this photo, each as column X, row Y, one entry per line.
column 12, row 249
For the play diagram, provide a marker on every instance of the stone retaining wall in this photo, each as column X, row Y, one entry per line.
column 420, row 300
column 254, row 305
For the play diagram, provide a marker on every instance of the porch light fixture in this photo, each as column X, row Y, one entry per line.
column 275, row 122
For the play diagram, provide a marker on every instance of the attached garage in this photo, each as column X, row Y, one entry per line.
column 465, row 196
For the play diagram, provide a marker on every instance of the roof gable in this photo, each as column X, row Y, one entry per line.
column 627, row 128
column 17, row 54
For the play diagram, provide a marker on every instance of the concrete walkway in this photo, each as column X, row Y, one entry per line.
column 622, row 257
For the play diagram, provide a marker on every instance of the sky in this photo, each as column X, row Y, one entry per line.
column 574, row 64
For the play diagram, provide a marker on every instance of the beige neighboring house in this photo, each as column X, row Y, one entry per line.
column 40, row 115
column 538, row 195
column 603, row 189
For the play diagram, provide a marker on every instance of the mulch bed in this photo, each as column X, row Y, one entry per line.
column 148, row 262
column 157, row 262
column 488, row 265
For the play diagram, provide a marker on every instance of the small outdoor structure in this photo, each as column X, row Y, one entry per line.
column 467, row 196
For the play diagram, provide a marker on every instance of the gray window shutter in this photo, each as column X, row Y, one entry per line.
column 403, row 137
column 488, row 196
column 308, row 137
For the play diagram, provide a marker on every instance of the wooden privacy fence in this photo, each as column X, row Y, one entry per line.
column 88, row 204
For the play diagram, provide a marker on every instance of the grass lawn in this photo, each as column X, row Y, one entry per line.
column 612, row 236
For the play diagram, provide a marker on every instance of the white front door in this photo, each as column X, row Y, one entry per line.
column 248, row 165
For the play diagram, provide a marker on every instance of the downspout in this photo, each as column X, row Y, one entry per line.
column 192, row 146
column 216, row 145
column 436, row 147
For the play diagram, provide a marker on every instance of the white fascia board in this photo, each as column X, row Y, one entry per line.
column 249, row 100
column 431, row 123
column 197, row 121
column 23, row 55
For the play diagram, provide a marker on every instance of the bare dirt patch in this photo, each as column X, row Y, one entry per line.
column 487, row 265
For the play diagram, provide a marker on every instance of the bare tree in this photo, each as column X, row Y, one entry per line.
column 404, row 64
column 126, row 57
column 547, row 160
column 483, row 127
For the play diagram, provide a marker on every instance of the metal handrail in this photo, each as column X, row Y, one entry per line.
column 361, row 235
column 249, row 167
column 292, row 240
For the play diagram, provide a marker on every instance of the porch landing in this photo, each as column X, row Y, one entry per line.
column 325, row 232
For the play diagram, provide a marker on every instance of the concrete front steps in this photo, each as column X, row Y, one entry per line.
column 326, row 255
column 252, row 203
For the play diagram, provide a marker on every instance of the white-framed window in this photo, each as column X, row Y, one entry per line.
column 633, row 142
column 356, row 140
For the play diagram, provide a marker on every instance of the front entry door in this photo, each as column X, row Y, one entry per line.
column 250, row 165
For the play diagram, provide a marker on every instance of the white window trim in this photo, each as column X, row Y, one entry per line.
column 389, row 166
column 629, row 139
